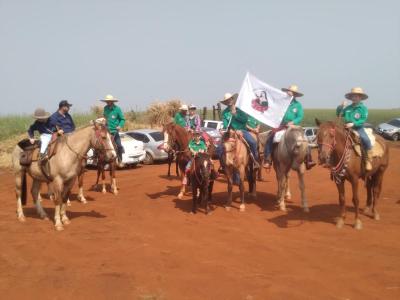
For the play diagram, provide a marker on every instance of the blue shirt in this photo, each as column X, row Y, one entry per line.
column 41, row 127
column 63, row 122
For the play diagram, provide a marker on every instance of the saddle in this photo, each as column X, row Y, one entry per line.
column 377, row 148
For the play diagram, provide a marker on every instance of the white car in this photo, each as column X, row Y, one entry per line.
column 134, row 151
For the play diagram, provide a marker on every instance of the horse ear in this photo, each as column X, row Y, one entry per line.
column 318, row 122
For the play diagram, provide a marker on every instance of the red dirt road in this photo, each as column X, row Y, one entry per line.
column 144, row 244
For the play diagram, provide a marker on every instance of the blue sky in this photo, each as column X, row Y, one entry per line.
column 142, row 51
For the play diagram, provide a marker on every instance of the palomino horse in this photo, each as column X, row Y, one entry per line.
column 237, row 160
column 335, row 148
column 201, row 180
column 65, row 166
column 289, row 155
column 175, row 135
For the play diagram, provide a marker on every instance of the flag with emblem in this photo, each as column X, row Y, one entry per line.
column 263, row 102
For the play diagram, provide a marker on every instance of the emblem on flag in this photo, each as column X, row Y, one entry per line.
column 260, row 103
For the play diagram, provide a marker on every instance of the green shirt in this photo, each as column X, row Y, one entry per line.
column 356, row 114
column 294, row 113
column 252, row 123
column 114, row 117
column 238, row 121
column 180, row 119
column 197, row 146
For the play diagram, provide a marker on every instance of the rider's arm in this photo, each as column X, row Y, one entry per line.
column 121, row 118
column 241, row 116
column 31, row 130
column 299, row 114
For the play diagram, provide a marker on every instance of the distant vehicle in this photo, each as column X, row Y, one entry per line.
column 390, row 129
column 213, row 124
column 311, row 135
column 214, row 133
column 134, row 151
column 153, row 141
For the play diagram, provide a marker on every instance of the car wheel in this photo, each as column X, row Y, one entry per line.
column 395, row 137
column 148, row 160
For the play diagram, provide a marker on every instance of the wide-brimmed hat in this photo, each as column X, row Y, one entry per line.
column 294, row 89
column 41, row 114
column 228, row 97
column 356, row 91
column 183, row 107
column 64, row 103
column 192, row 106
column 109, row 98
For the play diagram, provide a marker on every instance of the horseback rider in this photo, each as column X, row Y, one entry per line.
column 354, row 116
column 236, row 119
column 181, row 116
column 294, row 116
column 253, row 125
column 45, row 129
column 193, row 121
column 62, row 120
column 196, row 145
column 115, row 122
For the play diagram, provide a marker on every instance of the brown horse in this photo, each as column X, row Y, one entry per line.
column 335, row 148
column 102, row 162
column 237, row 160
column 65, row 166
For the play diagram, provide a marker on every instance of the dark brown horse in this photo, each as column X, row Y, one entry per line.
column 102, row 162
column 335, row 149
column 170, row 160
column 202, row 181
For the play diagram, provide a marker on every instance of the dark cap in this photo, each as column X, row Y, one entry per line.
column 64, row 103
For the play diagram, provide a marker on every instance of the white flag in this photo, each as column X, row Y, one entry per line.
column 262, row 101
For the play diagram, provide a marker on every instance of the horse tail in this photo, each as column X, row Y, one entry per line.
column 23, row 188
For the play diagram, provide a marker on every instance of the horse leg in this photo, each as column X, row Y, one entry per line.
column 103, row 181
column 169, row 161
column 81, row 197
column 229, row 175
column 354, row 185
column 20, row 191
column 377, row 187
column 369, row 183
column 57, row 187
column 114, row 187
column 281, row 178
column 194, row 196
column 65, row 194
column 300, row 175
column 242, row 206
column 288, row 194
column 208, row 196
column 342, row 202
column 35, row 191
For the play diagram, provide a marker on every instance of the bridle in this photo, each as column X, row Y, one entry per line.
column 200, row 181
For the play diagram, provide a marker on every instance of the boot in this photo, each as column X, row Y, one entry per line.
column 43, row 161
column 368, row 161
column 267, row 162
column 309, row 162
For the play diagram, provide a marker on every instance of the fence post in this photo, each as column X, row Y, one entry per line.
column 204, row 112
column 214, row 112
column 219, row 110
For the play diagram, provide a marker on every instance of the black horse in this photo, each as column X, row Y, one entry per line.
column 202, row 177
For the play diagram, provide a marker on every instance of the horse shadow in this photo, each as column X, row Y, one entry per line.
column 72, row 197
column 170, row 178
column 170, row 191
column 321, row 213
column 30, row 212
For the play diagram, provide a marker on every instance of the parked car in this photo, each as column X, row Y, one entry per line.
column 134, row 151
column 390, row 129
column 153, row 141
column 311, row 135
column 213, row 124
column 214, row 133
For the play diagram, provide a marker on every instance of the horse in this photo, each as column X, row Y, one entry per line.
column 289, row 154
column 65, row 166
column 170, row 160
column 175, row 135
column 102, row 161
column 336, row 151
column 201, row 181
column 237, row 160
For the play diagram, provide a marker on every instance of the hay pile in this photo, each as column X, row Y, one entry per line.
column 160, row 113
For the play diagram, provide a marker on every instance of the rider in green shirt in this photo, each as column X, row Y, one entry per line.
column 181, row 116
column 354, row 116
column 196, row 145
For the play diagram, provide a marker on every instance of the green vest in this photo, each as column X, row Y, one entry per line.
column 114, row 117
column 197, row 146
column 237, row 121
column 356, row 114
column 180, row 119
column 294, row 113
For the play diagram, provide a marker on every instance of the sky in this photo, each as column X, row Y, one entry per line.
column 196, row 51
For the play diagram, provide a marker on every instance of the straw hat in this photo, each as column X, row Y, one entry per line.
column 109, row 98
column 294, row 89
column 228, row 97
column 183, row 107
column 356, row 91
column 41, row 114
column 192, row 106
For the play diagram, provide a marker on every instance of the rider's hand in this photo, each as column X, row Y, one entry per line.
column 118, row 128
column 344, row 103
column 349, row 125
column 60, row 132
column 32, row 141
column 239, row 133
column 290, row 123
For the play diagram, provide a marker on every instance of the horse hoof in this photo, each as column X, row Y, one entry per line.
column 22, row 219
column 358, row 225
column 242, row 208
column 59, row 227
column 227, row 208
column 104, row 191
column 282, row 207
column 377, row 217
column 288, row 196
column 66, row 221
column 306, row 209
column 339, row 223
column 180, row 196
column 115, row 193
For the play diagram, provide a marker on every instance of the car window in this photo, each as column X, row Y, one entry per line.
column 394, row 122
column 139, row 136
column 157, row 136
column 309, row 132
column 212, row 125
column 125, row 137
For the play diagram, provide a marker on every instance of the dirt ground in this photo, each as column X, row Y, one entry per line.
column 144, row 244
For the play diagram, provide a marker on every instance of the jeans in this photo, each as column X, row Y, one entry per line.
column 120, row 149
column 366, row 143
column 268, row 146
column 252, row 143
column 45, row 139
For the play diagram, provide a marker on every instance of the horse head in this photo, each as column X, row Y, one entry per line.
column 202, row 167
column 327, row 140
column 175, row 134
column 295, row 142
column 101, row 140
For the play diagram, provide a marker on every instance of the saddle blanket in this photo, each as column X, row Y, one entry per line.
column 279, row 135
column 377, row 148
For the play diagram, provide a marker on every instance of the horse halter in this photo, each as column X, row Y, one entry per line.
column 331, row 147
